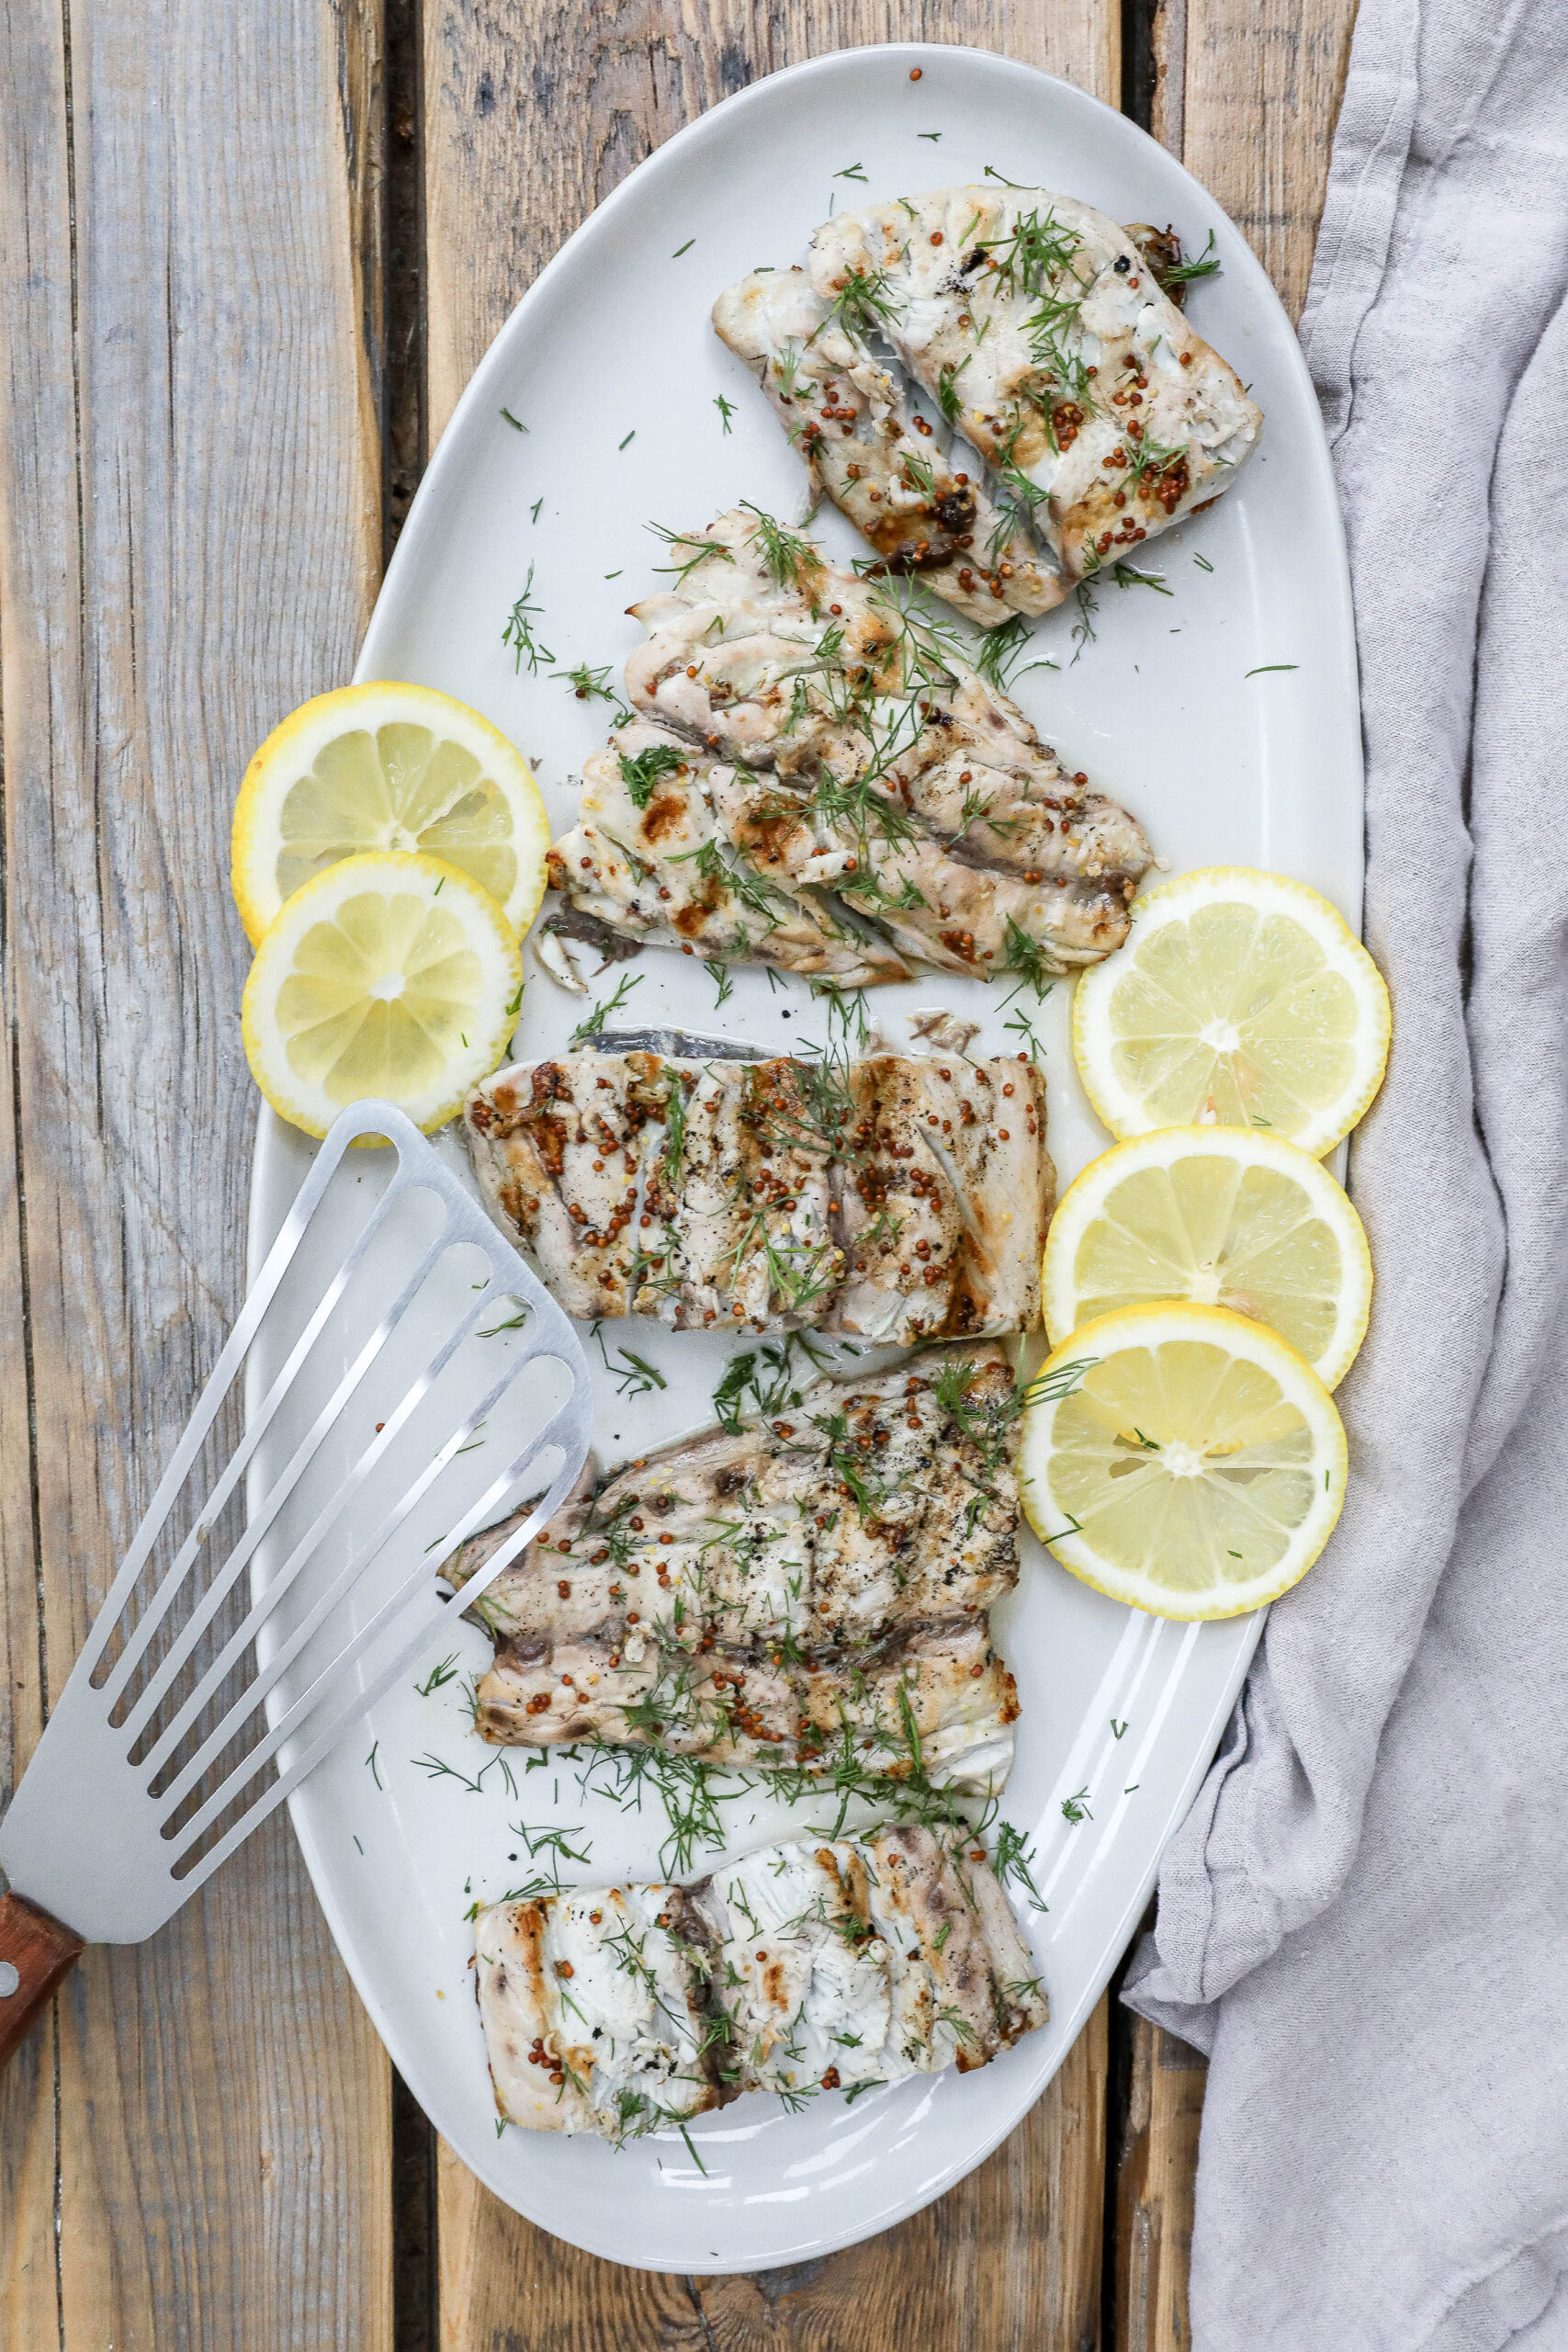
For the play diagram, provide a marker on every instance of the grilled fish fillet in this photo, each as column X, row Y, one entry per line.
column 758, row 1595
column 869, row 450
column 648, row 857
column 895, row 1199
column 894, row 775
column 1041, row 326
column 932, row 1699
column 811, row 1965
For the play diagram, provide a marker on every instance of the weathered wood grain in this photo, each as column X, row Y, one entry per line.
column 536, row 109
column 1008, row 2261
column 189, row 538
column 1156, row 2179
column 1247, row 94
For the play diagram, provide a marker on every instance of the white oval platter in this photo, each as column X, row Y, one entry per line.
column 610, row 364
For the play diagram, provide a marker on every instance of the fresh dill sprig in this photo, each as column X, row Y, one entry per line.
column 701, row 550
column 726, row 409
column 600, row 1014
column 786, row 555
column 1002, row 649
column 719, row 975
column 1012, row 1858
column 633, row 1375
column 1027, row 958
column 438, row 1676
column 519, row 631
column 1084, row 630
column 1050, row 1388
column 1182, row 273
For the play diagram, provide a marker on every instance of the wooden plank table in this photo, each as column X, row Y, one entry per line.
column 249, row 254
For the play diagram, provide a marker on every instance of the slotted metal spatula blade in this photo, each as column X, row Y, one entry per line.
column 406, row 1380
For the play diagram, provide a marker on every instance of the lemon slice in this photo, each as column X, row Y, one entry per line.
column 386, row 766
column 1241, row 999
column 1183, row 1459
column 1223, row 1216
column 389, row 975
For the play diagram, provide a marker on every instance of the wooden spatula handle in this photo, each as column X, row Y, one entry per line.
column 36, row 1952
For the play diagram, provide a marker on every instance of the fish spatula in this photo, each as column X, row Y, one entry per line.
column 406, row 1379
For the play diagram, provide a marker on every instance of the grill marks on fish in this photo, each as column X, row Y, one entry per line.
column 664, row 873
column 870, row 451
column 860, row 754
column 1064, row 364
column 763, row 1594
column 895, row 1199
column 813, row 1965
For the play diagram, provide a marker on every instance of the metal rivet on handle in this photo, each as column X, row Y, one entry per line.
column 10, row 1979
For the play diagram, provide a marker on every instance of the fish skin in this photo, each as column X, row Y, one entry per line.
column 934, row 264
column 715, row 1193
column 816, row 1964
column 965, row 840
column 638, row 870
column 871, row 453
column 770, row 1599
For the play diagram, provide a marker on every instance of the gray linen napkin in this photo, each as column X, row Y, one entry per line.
column 1365, row 1918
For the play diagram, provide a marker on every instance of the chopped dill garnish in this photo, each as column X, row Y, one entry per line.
column 851, row 172
column 862, row 304
column 640, row 775
column 947, row 393
column 589, row 685
column 629, row 439
column 1127, row 575
column 682, row 249
column 515, row 421
column 439, row 1676
column 633, row 1375
column 726, row 409
column 718, row 973
column 767, row 1378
